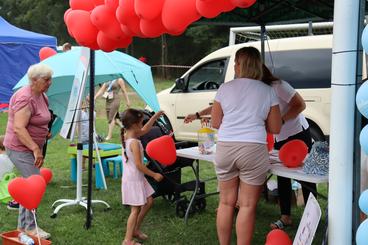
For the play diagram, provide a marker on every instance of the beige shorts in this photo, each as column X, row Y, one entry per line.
column 249, row 161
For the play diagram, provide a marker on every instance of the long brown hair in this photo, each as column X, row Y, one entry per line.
column 129, row 117
column 268, row 78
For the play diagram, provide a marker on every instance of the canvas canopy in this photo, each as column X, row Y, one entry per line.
column 18, row 50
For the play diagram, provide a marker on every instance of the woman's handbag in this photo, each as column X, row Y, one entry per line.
column 318, row 159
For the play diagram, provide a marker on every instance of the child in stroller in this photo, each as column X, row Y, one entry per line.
column 171, row 187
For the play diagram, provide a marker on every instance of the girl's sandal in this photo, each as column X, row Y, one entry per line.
column 140, row 236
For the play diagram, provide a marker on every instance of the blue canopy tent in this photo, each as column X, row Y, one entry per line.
column 18, row 50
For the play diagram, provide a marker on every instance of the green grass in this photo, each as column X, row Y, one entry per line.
column 108, row 227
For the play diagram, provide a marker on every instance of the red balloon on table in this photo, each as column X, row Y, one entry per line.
column 27, row 191
column 46, row 52
column 293, row 153
column 162, row 150
column 278, row 237
column 46, row 173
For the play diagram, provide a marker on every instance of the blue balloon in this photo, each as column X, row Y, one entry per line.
column 362, row 233
column 362, row 99
column 363, row 139
column 365, row 39
column 363, row 202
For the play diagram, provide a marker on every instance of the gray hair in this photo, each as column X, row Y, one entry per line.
column 39, row 70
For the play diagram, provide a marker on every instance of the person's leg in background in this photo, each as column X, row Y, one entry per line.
column 225, row 211
column 307, row 188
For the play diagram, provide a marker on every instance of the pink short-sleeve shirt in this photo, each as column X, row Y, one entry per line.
column 38, row 124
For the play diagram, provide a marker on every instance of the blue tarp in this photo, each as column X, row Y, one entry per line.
column 18, row 50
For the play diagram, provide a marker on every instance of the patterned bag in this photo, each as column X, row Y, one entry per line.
column 318, row 159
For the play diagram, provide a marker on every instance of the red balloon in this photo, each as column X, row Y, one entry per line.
column 177, row 15
column 28, row 191
column 293, row 153
column 162, row 150
column 148, row 10
column 84, row 32
column 46, row 52
column 81, row 5
column 112, row 4
column 102, row 16
column 243, row 3
column 278, row 237
column 209, row 9
column 152, row 28
column 66, row 14
column 46, row 173
column 98, row 2
column 108, row 45
column 270, row 142
column 125, row 14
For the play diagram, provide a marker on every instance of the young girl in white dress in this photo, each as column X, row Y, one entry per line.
column 136, row 191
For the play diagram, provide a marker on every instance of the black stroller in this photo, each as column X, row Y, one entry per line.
column 171, row 187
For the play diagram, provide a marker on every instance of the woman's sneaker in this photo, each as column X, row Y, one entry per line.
column 13, row 205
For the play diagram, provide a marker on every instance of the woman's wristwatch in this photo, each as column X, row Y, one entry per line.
column 197, row 115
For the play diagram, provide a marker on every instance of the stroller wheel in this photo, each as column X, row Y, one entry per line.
column 181, row 208
column 200, row 204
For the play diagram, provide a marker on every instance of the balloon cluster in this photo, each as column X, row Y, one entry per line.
column 111, row 24
column 293, row 153
column 278, row 237
column 362, row 104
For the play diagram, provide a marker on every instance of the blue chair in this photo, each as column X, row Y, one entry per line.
column 117, row 163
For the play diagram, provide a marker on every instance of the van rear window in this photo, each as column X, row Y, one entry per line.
column 303, row 69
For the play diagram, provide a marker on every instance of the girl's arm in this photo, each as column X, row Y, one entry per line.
column 123, row 88
column 101, row 91
column 296, row 106
column 21, row 120
column 147, row 127
column 136, row 150
column 216, row 115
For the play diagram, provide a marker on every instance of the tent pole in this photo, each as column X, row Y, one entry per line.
column 91, row 137
column 263, row 38
column 343, row 79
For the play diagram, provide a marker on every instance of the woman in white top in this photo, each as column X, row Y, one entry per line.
column 243, row 110
column 295, row 126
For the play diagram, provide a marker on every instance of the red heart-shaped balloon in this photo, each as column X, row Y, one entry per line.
column 28, row 191
column 278, row 237
column 162, row 150
column 293, row 153
column 46, row 173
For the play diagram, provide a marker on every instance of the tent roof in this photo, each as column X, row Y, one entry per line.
column 12, row 34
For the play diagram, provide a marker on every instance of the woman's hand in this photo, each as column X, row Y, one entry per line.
column 158, row 177
column 158, row 114
column 190, row 118
column 38, row 157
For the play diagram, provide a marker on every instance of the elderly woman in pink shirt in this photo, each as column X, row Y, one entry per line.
column 26, row 133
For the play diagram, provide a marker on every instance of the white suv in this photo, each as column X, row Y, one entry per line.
column 305, row 62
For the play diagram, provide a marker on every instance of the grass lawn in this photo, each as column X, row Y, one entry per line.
column 108, row 227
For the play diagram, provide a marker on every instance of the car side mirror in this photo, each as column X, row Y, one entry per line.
column 180, row 83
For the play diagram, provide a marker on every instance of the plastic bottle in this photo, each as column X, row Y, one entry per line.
column 23, row 238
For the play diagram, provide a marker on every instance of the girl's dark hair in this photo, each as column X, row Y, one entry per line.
column 2, row 147
column 129, row 117
column 268, row 78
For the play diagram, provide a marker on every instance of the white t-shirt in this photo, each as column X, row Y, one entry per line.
column 291, row 127
column 245, row 104
column 6, row 165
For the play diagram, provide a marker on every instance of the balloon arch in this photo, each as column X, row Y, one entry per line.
column 111, row 24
